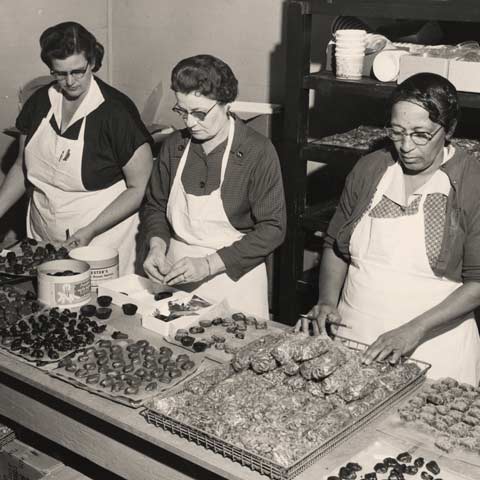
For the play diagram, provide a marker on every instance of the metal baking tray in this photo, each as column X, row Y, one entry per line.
column 268, row 467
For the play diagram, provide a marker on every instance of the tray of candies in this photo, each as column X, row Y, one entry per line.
column 127, row 371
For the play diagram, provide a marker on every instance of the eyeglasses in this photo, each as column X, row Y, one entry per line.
column 77, row 74
column 197, row 115
column 418, row 138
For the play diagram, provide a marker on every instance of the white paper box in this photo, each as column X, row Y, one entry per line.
column 141, row 291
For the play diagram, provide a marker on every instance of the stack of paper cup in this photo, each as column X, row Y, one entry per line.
column 350, row 53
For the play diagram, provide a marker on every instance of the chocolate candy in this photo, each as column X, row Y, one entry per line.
column 129, row 308
column 103, row 313
column 104, row 300
column 162, row 295
column 187, row 341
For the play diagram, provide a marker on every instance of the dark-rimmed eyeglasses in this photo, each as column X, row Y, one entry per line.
column 418, row 138
column 196, row 114
column 76, row 74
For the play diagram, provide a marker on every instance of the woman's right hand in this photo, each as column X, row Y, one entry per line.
column 156, row 265
column 318, row 316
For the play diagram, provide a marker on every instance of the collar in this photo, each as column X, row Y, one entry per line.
column 396, row 188
column 92, row 100
column 238, row 145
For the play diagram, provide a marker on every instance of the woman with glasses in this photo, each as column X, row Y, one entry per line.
column 214, row 207
column 84, row 150
column 401, row 264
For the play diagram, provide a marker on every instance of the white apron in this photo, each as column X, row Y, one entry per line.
column 60, row 200
column 201, row 227
column 390, row 281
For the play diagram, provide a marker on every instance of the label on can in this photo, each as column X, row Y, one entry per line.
column 102, row 274
column 71, row 293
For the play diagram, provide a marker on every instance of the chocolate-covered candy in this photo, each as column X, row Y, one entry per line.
column 129, row 308
column 187, row 341
column 433, row 467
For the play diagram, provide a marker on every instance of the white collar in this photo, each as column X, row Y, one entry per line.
column 437, row 183
column 92, row 100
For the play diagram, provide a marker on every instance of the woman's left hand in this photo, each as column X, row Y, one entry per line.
column 80, row 238
column 188, row 270
column 394, row 344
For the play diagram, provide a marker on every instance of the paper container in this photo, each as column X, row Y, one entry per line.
column 412, row 64
column 386, row 65
column 141, row 291
column 64, row 291
column 103, row 262
column 350, row 32
column 349, row 51
column 349, row 66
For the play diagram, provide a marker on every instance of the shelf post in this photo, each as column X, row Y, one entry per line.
column 289, row 262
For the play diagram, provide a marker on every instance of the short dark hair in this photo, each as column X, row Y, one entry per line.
column 207, row 75
column 435, row 94
column 70, row 38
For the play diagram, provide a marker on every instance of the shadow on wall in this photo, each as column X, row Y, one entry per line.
column 12, row 225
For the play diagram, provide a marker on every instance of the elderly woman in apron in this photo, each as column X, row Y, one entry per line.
column 401, row 264
column 215, row 204
column 84, row 150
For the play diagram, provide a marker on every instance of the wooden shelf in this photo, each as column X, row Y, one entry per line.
column 326, row 83
column 317, row 152
column 443, row 10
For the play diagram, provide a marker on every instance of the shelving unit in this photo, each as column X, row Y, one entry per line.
column 297, row 149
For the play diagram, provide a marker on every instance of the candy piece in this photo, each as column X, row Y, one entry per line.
column 129, row 308
column 93, row 378
column 199, row 346
column 88, row 310
column 117, row 335
column 196, row 329
column 205, row 323
column 103, row 313
column 162, row 295
column 104, row 300
column 187, row 341
column 433, row 467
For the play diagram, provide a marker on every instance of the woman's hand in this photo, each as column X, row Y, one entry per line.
column 156, row 265
column 80, row 238
column 394, row 344
column 188, row 270
column 318, row 316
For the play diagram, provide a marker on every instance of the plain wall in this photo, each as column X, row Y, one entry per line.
column 150, row 36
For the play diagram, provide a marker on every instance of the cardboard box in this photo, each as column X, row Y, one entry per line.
column 141, row 291
column 412, row 64
column 20, row 461
column 465, row 76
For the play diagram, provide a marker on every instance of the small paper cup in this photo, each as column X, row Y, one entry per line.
column 349, row 67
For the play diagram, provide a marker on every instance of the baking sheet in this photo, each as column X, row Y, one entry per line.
column 130, row 400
